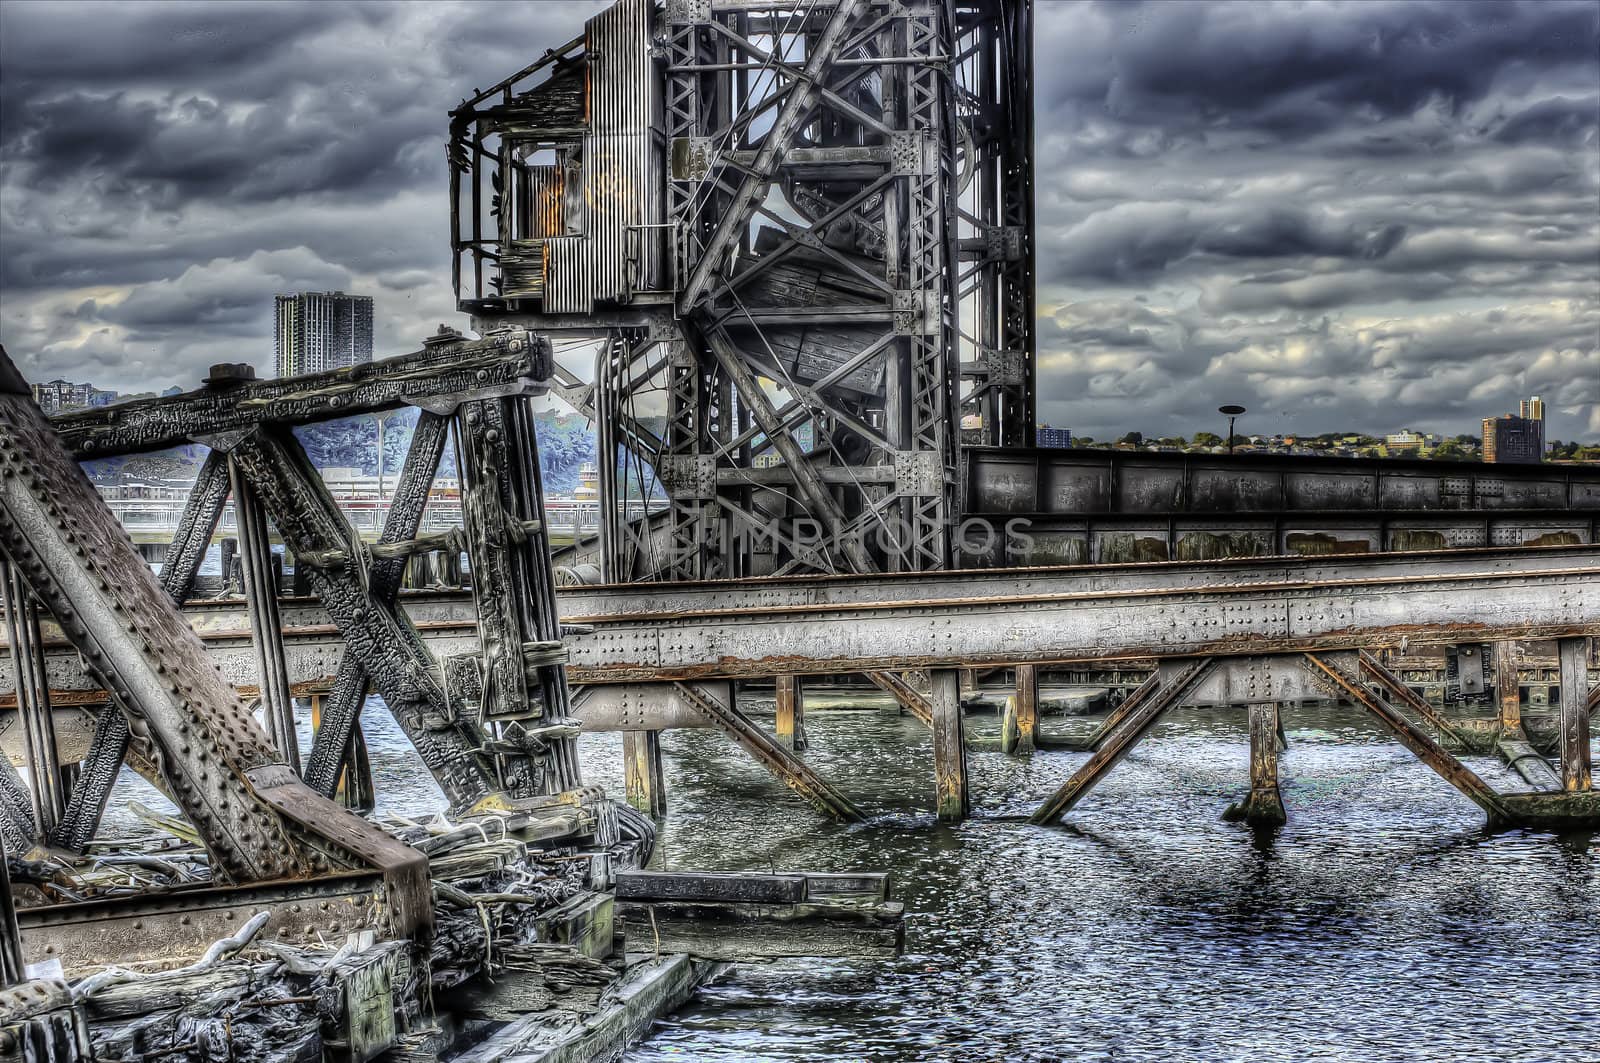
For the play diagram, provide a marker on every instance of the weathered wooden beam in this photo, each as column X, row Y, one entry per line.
column 790, row 713
column 790, row 769
column 951, row 800
column 910, row 698
column 1508, row 695
column 748, row 932
column 1121, row 741
column 1020, row 725
column 1576, row 768
column 1264, row 805
column 643, row 774
column 1342, row 678
column 1117, row 716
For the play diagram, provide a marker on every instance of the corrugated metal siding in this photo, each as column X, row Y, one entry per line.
column 567, row 289
column 621, row 188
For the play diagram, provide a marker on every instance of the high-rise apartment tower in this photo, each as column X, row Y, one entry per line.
column 322, row 330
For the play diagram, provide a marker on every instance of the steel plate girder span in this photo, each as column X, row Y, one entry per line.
column 227, row 616
column 1425, row 598
column 1248, row 620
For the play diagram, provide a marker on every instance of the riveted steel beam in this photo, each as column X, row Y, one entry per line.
column 511, row 361
column 255, row 818
column 380, row 638
column 341, row 710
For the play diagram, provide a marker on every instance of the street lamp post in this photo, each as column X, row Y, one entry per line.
column 1231, row 411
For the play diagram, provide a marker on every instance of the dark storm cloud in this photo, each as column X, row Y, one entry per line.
column 1297, row 69
column 1369, row 215
column 1366, row 215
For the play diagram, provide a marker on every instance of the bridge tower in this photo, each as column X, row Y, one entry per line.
column 799, row 236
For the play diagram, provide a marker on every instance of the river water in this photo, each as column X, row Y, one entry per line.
column 1382, row 924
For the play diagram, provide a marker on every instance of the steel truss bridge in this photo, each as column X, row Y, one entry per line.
column 652, row 656
column 800, row 238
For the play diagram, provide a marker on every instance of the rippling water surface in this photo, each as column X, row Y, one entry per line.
column 1381, row 925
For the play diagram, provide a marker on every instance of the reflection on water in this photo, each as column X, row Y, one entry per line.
column 1381, row 924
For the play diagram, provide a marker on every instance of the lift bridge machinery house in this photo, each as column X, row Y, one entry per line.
column 833, row 196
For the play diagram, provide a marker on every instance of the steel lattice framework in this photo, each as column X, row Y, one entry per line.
column 796, row 231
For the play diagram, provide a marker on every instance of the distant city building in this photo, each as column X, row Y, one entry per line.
column 1518, row 440
column 315, row 331
column 60, row 395
column 1053, row 438
column 1403, row 441
column 1531, row 409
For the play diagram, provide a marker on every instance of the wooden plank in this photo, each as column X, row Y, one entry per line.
column 647, row 991
column 873, row 884
column 743, row 933
column 708, row 886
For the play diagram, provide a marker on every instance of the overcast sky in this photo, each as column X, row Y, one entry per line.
column 1370, row 215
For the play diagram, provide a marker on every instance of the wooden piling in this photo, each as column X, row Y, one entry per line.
column 1264, row 806
column 791, row 721
column 949, row 748
column 1576, row 769
column 1508, row 694
column 642, row 770
column 1022, row 712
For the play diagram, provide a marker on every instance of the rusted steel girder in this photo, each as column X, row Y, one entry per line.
column 518, row 667
column 1341, row 675
column 379, row 636
column 98, row 772
column 255, row 818
column 790, row 769
column 341, row 709
column 1121, row 741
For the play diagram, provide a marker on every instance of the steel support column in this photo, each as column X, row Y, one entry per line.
column 266, row 627
column 33, row 700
